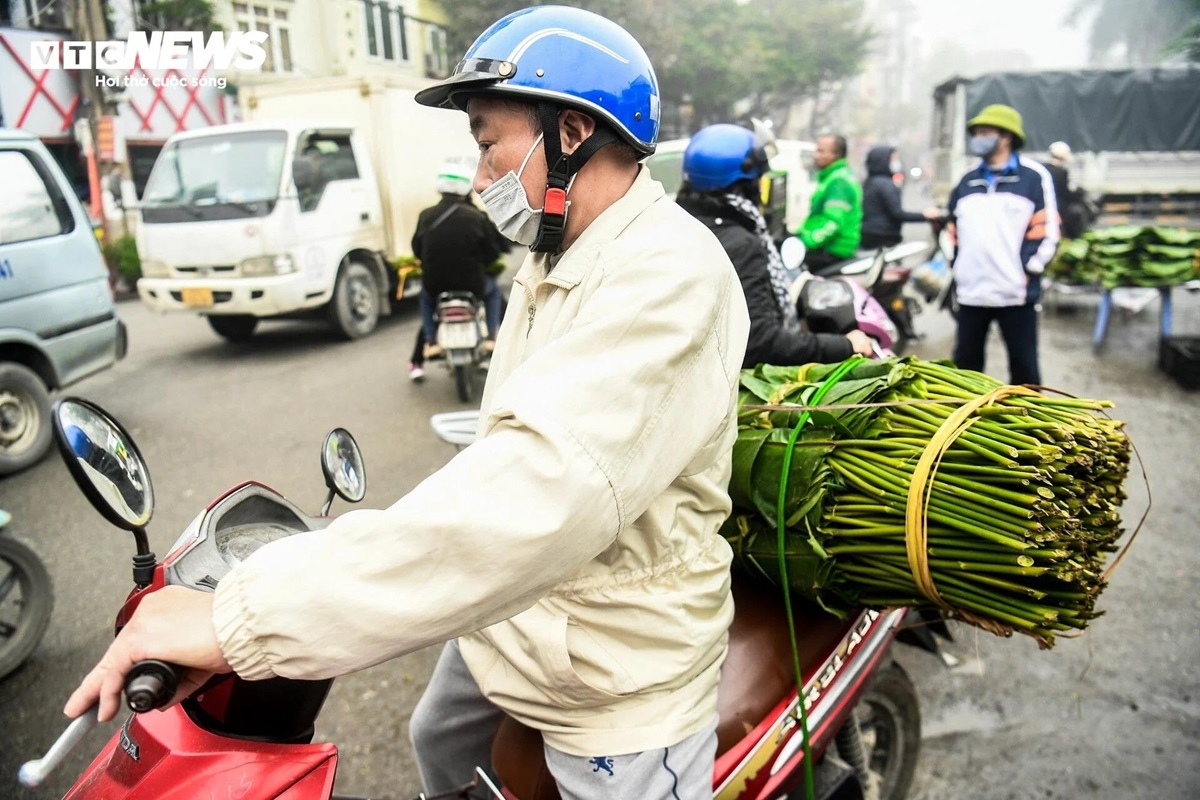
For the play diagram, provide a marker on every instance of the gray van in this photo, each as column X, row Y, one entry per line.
column 58, row 323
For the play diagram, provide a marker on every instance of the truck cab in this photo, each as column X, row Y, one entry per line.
column 263, row 220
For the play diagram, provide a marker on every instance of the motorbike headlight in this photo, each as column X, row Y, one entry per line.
column 823, row 295
column 153, row 268
column 260, row 266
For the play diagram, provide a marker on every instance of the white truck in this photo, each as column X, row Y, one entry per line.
column 1134, row 134
column 288, row 215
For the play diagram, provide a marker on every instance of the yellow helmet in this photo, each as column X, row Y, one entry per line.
column 1006, row 118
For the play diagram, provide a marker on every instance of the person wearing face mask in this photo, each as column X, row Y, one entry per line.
column 1004, row 220
column 722, row 166
column 571, row 557
column 883, row 214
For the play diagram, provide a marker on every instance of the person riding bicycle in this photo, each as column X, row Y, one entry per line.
column 571, row 557
column 722, row 166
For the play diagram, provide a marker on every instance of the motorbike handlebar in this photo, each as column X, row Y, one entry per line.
column 150, row 685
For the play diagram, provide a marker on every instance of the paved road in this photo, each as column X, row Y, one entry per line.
column 1115, row 714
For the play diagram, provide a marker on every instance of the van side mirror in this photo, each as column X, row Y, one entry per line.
column 304, row 173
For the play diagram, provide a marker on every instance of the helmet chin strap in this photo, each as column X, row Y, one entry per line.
column 560, row 168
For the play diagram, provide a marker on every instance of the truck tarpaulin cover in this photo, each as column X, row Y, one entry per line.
column 1109, row 110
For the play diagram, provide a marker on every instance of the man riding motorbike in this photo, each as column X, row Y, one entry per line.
column 573, row 549
column 455, row 242
column 832, row 229
column 722, row 166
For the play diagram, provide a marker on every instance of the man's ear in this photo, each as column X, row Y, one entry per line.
column 574, row 127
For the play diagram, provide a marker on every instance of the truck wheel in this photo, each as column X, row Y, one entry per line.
column 24, row 418
column 26, row 599
column 235, row 327
column 354, row 309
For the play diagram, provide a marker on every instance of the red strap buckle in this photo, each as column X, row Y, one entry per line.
column 555, row 203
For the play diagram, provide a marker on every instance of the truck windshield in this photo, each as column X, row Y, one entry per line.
column 239, row 171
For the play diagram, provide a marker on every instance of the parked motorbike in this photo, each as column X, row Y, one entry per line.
column 863, row 716
column 26, row 600
column 461, row 338
column 258, row 731
column 838, row 304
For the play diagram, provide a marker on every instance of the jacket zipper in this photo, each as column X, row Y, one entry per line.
column 532, row 311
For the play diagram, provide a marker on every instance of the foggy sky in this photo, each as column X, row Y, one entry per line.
column 1037, row 27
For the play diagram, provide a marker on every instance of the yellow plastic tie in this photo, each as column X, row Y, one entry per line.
column 916, row 516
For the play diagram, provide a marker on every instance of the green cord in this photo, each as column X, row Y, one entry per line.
column 780, row 516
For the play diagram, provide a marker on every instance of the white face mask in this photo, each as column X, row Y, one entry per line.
column 508, row 205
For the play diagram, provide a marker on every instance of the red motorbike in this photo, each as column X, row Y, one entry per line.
column 253, row 739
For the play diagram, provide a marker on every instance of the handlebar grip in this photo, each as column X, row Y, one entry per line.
column 150, row 685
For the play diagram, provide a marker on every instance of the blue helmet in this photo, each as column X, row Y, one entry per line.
column 566, row 56
column 721, row 155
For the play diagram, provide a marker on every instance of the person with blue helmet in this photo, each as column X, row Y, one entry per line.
column 571, row 557
column 722, row 167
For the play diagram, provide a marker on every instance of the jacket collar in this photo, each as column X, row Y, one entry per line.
column 568, row 269
column 840, row 164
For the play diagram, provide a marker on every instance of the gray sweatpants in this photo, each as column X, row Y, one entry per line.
column 453, row 725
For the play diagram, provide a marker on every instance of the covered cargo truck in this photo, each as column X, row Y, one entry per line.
column 1134, row 134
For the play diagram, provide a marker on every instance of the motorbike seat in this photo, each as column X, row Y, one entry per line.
column 756, row 676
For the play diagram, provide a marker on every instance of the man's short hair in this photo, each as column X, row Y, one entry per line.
column 839, row 143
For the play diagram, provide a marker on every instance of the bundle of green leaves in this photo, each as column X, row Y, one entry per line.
column 1129, row 255
column 1021, row 513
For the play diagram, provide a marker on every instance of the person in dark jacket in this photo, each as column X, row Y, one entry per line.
column 455, row 242
column 721, row 169
column 882, row 213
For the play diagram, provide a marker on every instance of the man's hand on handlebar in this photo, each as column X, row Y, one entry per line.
column 861, row 343
column 173, row 624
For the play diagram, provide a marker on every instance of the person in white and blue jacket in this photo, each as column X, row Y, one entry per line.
column 1004, row 220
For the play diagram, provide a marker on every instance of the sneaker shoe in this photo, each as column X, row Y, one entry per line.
column 415, row 373
column 433, row 350
column 488, row 345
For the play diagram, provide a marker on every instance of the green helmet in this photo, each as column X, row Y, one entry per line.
column 455, row 178
column 1006, row 118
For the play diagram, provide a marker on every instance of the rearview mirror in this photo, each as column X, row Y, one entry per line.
column 342, row 463
column 104, row 461
column 792, row 251
column 304, row 173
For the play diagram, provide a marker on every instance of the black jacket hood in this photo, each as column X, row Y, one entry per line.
column 879, row 160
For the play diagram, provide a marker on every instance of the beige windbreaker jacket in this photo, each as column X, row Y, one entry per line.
column 574, row 547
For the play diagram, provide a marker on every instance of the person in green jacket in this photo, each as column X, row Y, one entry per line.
column 834, row 225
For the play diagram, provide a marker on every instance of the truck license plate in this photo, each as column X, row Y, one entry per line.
column 197, row 297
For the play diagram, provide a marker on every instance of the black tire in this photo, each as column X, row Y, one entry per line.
column 462, row 381
column 24, row 418
column 354, row 309
column 890, row 718
column 26, row 600
column 234, row 327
